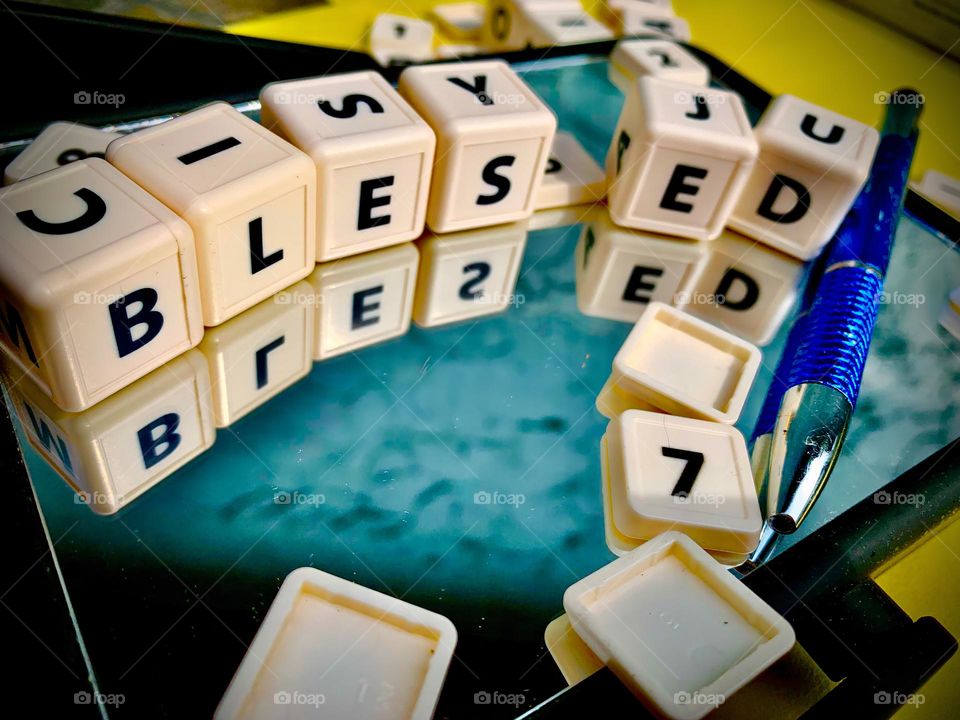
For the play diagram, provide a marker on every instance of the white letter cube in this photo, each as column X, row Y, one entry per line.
column 60, row 143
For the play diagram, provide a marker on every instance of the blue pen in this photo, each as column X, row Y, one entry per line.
column 825, row 367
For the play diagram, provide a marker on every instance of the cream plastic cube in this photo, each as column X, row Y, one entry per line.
column 459, row 50
column 401, row 33
column 114, row 452
column 683, row 366
column 468, row 274
column 493, row 140
column 98, row 282
column 663, row 59
column 59, row 144
column 363, row 300
column 744, row 287
column 461, row 20
column 261, row 352
column 331, row 648
column 679, row 158
column 631, row 20
column 249, row 196
column 663, row 472
column 549, row 27
column 812, row 165
column 704, row 633
column 571, row 176
column 506, row 24
column 620, row 271
column 373, row 154
column 573, row 656
column 939, row 188
column 394, row 58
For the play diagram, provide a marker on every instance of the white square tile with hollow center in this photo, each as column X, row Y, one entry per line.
column 571, row 177
column 679, row 157
column 115, row 451
column 331, row 648
column 683, row 366
column 98, row 282
column 676, row 627
column 468, row 274
column 373, row 153
column 493, row 141
column 812, row 165
column 363, row 300
column 60, row 143
column 664, row 59
column 669, row 473
column 620, row 271
column 249, row 196
column 745, row 287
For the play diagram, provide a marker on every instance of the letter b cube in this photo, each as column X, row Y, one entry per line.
column 679, row 157
column 493, row 140
column 98, row 282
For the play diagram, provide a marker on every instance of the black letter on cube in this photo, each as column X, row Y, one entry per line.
column 362, row 310
column 807, row 127
column 470, row 289
column 702, row 111
column 15, row 330
column 96, row 209
column 368, row 202
column 257, row 260
column 478, row 89
column 124, row 323
column 553, row 166
column 773, row 192
column 47, row 438
column 261, row 360
column 678, row 186
column 351, row 104
column 154, row 447
column 623, row 142
column 751, row 290
column 636, row 283
column 500, row 182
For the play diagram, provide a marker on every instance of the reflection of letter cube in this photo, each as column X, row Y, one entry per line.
column 249, row 196
column 468, row 274
column 664, row 59
column 679, row 158
column 813, row 163
column 620, row 271
column 123, row 446
column 261, row 352
column 98, row 282
column 676, row 363
column 493, row 139
column 663, row 472
column 744, row 287
column 373, row 153
column 60, row 143
column 363, row 300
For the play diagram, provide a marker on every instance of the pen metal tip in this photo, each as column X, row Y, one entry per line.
column 769, row 537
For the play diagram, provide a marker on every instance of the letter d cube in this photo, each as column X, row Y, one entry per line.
column 98, row 282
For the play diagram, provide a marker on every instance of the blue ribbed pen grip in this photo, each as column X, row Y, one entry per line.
column 837, row 331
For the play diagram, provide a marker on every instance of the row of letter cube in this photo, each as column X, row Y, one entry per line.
column 684, row 161
column 125, row 444
column 111, row 269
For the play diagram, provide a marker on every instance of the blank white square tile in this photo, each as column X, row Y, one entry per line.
column 619, row 271
column 98, row 282
column 249, row 196
column 373, row 154
column 571, row 177
column 59, row 143
column 261, row 352
column 704, row 633
column 468, row 274
column 812, row 165
column 358, row 653
column 669, row 472
column 685, row 366
column 493, row 139
column 679, row 157
column 364, row 299
column 121, row 447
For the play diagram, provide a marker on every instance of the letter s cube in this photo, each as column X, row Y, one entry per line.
column 679, row 157
column 493, row 140
column 98, row 282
